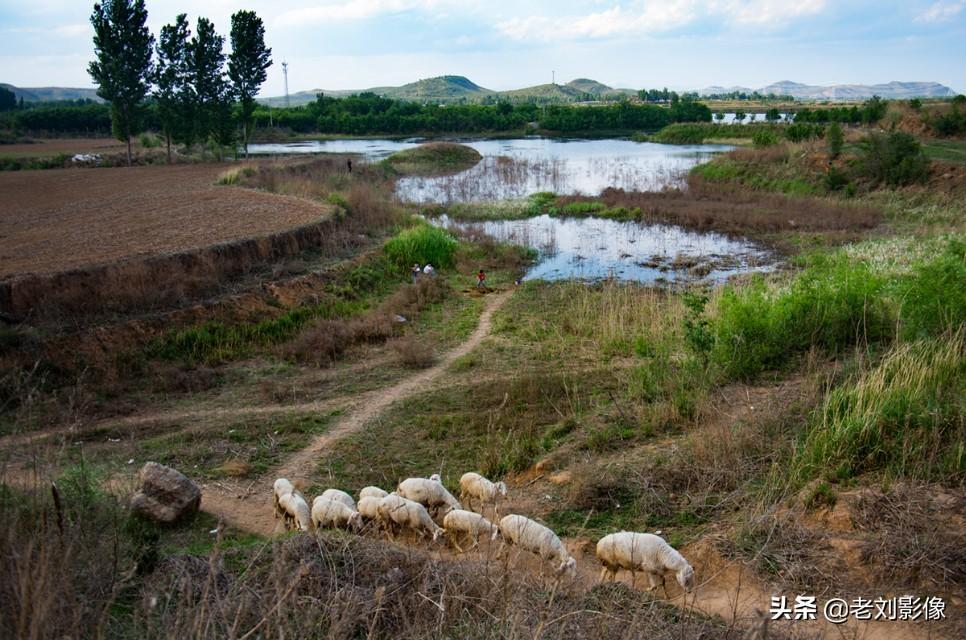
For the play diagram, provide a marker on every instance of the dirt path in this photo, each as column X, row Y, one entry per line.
column 250, row 507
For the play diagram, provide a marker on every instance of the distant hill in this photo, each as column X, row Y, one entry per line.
column 449, row 89
column 441, row 89
column 52, row 94
column 845, row 92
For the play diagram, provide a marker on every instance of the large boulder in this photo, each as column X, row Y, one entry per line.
column 165, row 494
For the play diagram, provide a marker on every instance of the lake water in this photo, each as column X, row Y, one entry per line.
column 597, row 248
column 582, row 248
column 515, row 168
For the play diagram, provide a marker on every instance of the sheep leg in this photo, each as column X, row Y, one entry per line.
column 603, row 573
column 652, row 581
column 453, row 539
column 664, row 585
column 633, row 578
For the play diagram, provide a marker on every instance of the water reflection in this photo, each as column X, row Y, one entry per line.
column 595, row 248
column 515, row 168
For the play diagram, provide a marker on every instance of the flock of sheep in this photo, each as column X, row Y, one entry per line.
column 418, row 504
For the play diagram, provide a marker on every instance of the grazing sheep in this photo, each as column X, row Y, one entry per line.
column 328, row 513
column 473, row 485
column 339, row 496
column 282, row 487
column 427, row 492
column 534, row 537
column 372, row 492
column 408, row 514
column 368, row 507
column 460, row 521
column 297, row 513
column 643, row 552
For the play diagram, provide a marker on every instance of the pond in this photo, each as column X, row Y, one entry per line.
column 598, row 248
column 515, row 168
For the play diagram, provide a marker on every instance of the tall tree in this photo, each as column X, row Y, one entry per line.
column 171, row 78
column 212, row 94
column 247, row 64
column 122, row 71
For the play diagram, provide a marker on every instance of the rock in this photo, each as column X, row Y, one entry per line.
column 165, row 494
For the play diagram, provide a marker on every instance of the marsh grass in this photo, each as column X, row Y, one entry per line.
column 420, row 245
column 903, row 415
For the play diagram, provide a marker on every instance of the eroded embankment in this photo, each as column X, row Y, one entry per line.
column 160, row 280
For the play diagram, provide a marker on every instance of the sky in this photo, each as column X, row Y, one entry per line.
column 680, row 44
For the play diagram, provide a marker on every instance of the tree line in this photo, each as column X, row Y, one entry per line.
column 368, row 113
column 184, row 75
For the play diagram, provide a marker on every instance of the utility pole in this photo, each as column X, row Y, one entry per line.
column 285, row 73
column 553, row 77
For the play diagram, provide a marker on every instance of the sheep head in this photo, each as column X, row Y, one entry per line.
column 568, row 567
column 685, row 578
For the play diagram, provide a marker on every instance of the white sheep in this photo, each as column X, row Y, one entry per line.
column 534, row 537
column 339, row 496
column 296, row 511
column 368, row 507
column 473, row 485
column 427, row 492
column 436, row 478
column 460, row 521
column 408, row 514
column 327, row 513
column 643, row 552
column 372, row 492
column 282, row 487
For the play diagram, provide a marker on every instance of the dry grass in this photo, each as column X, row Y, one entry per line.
column 413, row 352
column 914, row 539
column 326, row 340
column 81, row 567
column 733, row 208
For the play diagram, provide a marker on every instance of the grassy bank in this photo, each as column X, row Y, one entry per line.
column 434, row 158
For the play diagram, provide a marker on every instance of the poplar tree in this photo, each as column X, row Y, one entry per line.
column 172, row 88
column 247, row 64
column 122, row 70
column 212, row 107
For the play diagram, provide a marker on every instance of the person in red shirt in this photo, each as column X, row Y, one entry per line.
column 480, row 279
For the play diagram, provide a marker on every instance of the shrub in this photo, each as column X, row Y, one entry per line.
column 799, row 132
column 895, row 159
column 835, row 140
column 764, row 138
column 933, row 298
column 412, row 352
column 422, row 244
column 832, row 304
column 836, row 179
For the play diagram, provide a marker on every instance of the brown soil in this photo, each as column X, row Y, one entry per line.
column 56, row 220
column 49, row 147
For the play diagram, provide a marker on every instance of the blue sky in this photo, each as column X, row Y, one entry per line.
column 681, row 44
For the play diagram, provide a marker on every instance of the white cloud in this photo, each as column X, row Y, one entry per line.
column 74, row 30
column 641, row 18
column 941, row 11
column 353, row 10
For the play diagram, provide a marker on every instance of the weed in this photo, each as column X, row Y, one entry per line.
column 423, row 244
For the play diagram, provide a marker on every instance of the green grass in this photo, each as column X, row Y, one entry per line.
column 946, row 150
column 832, row 304
column 434, row 158
column 904, row 415
column 421, row 244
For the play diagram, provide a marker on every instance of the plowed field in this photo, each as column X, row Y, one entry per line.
column 56, row 220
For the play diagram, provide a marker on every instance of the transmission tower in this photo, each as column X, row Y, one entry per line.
column 285, row 73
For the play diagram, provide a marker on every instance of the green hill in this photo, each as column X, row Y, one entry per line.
column 449, row 89
column 51, row 94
